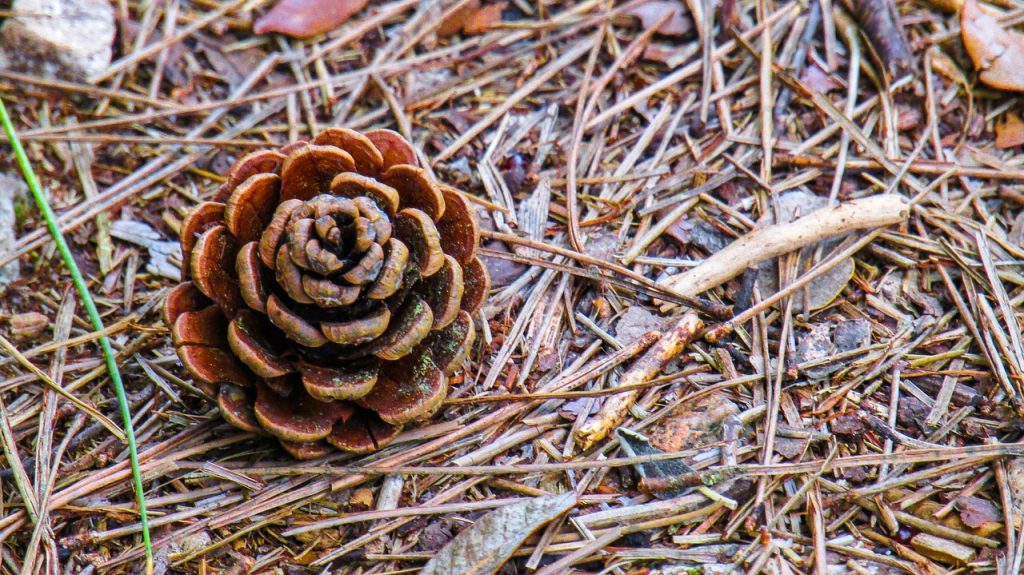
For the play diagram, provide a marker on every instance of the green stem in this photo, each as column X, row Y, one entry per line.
column 90, row 308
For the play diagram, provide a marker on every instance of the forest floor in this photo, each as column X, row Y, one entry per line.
column 846, row 394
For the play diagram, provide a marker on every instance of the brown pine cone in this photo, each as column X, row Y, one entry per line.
column 331, row 289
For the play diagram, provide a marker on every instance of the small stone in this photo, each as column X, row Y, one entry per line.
column 602, row 245
column 11, row 186
column 502, row 271
column 434, row 536
column 790, row 447
column 816, row 345
column 852, row 334
column 58, row 38
column 28, row 326
column 637, row 321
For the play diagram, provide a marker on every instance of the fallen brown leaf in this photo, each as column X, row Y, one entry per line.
column 818, row 80
column 1010, row 131
column 978, row 512
column 997, row 53
column 650, row 13
column 692, row 424
column 307, row 18
column 484, row 19
column 483, row 548
column 28, row 325
column 456, row 21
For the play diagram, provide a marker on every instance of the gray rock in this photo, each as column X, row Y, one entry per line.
column 852, row 334
column 825, row 340
column 11, row 186
column 814, row 346
column 636, row 321
column 58, row 38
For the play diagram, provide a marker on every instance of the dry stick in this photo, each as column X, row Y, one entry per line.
column 563, row 564
column 714, row 334
column 614, row 410
column 234, row 100
column 778, row 239
column 151, row 140
column 48, row 461
column 121, row 472
column 583, row 113
column 460, row 507
column 80, row 404
column 21, row 480
column 575, row 394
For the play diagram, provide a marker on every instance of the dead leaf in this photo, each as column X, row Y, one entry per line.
column 471, row 19
column 455, row 21
column 1010, row 131
column 485, row 546
column 818, row 80
column 307, row 18
column 650, row 13
column 28, row 325
column 978, row 512
column 692, row 424
column 484, row 19
column 361, row 499
column 880, row 22
column 997, row 53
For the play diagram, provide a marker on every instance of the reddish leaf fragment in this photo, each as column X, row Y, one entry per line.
column 650, row 13
column 997, row 53
column 307, row 18
column 1010, row 131
column 456, row 21
column 484, row 19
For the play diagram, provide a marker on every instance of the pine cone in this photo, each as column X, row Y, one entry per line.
column 331, row 289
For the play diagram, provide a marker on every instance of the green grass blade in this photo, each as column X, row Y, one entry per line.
column 94, row 317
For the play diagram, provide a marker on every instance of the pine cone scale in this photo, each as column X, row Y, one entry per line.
column 252, row 206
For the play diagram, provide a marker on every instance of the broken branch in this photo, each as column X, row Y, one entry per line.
column 778, row 239
column 613, row 411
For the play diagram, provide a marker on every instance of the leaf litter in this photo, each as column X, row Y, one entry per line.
column 880, row 423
